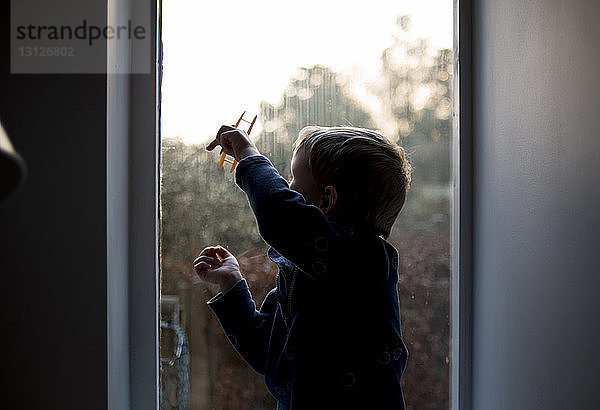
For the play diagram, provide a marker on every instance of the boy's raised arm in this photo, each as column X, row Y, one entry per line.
column 298, row 231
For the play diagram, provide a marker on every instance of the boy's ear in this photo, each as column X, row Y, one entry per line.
column 329, row 200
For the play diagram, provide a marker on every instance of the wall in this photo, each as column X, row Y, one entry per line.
column 52, row 239
column 537, row 229
column 537, row 200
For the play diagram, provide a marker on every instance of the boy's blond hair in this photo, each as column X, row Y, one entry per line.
column 371, row 174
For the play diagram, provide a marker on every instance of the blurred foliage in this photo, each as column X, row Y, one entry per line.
column 316, row 96
column 202, row 206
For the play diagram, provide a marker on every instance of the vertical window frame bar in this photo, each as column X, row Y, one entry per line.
column 144, row 210
column 462, row 213
column 133, row 164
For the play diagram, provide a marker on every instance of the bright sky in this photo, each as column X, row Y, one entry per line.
column 225, row 56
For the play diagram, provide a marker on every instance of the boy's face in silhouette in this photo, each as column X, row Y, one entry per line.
column 303, row 180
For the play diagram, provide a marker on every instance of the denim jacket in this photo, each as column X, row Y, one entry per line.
column 328, row 336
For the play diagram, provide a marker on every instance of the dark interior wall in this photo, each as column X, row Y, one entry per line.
column 52, row 239
column 537, row 226
column 537, row 201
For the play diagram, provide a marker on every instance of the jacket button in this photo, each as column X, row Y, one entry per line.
column 289, row 352
column 280, row 391
column 232, row 339
column 319, row 268
column 397, row 353
column 383, row 358
column 321, row 244
column 348, row 379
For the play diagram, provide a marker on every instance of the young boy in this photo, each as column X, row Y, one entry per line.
column 328, row 336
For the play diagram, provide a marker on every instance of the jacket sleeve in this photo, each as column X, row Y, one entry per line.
column 247, row 329
column 298, row 231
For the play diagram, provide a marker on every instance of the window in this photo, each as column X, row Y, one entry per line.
column 325, row 63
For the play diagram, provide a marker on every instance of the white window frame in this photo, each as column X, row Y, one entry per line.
column 462, row 214
column 133, row 165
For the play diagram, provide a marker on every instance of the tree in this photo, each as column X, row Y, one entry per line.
column 415, row 92
column 201, row 206
column 316, row 96
column 415, row 89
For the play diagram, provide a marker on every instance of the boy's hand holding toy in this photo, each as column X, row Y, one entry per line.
column 235, row 142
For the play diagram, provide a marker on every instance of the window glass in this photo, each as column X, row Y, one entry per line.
column 383, row 65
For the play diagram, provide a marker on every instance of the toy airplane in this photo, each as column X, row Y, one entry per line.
column 225, row 157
